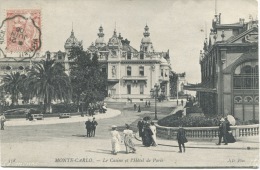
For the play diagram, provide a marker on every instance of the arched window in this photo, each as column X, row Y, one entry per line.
column 246, row 76
column 129, row 55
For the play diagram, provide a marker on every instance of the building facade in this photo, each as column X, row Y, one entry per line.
column 132, row 73
column 229, row 70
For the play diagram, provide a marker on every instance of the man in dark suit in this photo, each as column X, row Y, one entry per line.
column 94, row 125
column 222, row 131
column 181, row 137
column 140, row 126
column 88, row 127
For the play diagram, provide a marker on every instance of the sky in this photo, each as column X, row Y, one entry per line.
column 178, row 25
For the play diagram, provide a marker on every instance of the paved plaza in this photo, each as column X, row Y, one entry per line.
column 66, row 145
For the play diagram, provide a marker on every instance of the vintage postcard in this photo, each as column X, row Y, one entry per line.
column 129, row 84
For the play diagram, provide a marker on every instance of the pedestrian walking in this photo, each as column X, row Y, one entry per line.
column 135, row 106
column 129, row 144
column 147, row 135
column 222, row 132
column 2, row 120
column 88, row 127
column 115, row 140
column 181, row 138
column 177, row 102
column 229, row 136
column 140, row 126
column 139, row 108
column 93, row 129
column 149, row 103
column 153, row 129
column 146, row 103
column 182, row 102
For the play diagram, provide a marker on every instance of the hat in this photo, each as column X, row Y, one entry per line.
column 222, row 119
column 114, row 126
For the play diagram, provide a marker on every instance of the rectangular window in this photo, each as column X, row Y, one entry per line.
column 129, row 89
column 145, row 49
column 162, row 72
column 48, row 56
column 141, row 71
column 142, row 55
column 59, row 57
column 141, row 89
column 129, row 55
column 104, row 70
column 129, row 71
column 166, row 75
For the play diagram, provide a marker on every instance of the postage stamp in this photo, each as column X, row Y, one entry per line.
column 23, row 30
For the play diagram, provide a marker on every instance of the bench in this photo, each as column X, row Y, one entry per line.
column 37, row 116
column 64, row 115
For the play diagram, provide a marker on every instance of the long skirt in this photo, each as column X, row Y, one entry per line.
column 147, row 140
column 115, row 145
column 230, row 138
column 129, row 143
column 154, row 139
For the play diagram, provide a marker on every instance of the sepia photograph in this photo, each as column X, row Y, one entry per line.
column 129, row 84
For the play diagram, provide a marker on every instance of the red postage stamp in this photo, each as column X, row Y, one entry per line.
column 23, row 30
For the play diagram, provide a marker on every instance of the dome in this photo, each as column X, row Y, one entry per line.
column 100, row 40
column 72, row 41
column 146, row 40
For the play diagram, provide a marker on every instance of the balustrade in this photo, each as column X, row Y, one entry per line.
column 208, row 132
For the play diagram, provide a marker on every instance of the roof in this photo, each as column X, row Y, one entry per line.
column 72, row 41
column 232, row 39
column 127, row 47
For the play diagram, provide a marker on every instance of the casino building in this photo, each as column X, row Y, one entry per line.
column 132, row 74
column 229, row 70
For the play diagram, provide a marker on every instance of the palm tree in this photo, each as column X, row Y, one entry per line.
column 47, row 82
column 12, row 83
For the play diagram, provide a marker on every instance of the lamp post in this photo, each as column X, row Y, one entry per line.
column 177, row 84
column 155, row 91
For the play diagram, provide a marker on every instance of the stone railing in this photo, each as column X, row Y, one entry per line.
column 207, row 132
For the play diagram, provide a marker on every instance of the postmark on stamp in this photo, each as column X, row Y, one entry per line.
column 22, row 31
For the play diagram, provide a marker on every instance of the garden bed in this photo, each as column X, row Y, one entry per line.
column 197, row 121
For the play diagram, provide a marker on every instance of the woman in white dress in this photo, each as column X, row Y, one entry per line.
column 153, row 129
column 129, row 144
column 115, row 140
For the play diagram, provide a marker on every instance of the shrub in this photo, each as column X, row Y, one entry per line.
column 199, row 121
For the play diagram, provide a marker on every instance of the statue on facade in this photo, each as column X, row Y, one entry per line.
column 113, row 71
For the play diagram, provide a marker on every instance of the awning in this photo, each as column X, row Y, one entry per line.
column 199, row 88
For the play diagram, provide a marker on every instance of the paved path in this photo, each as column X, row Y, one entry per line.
column 65, row 145
column 55, row 120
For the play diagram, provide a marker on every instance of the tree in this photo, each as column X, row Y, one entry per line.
column 47, row 81
column 173, row 83
column 13, row 83
column 88, row 81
